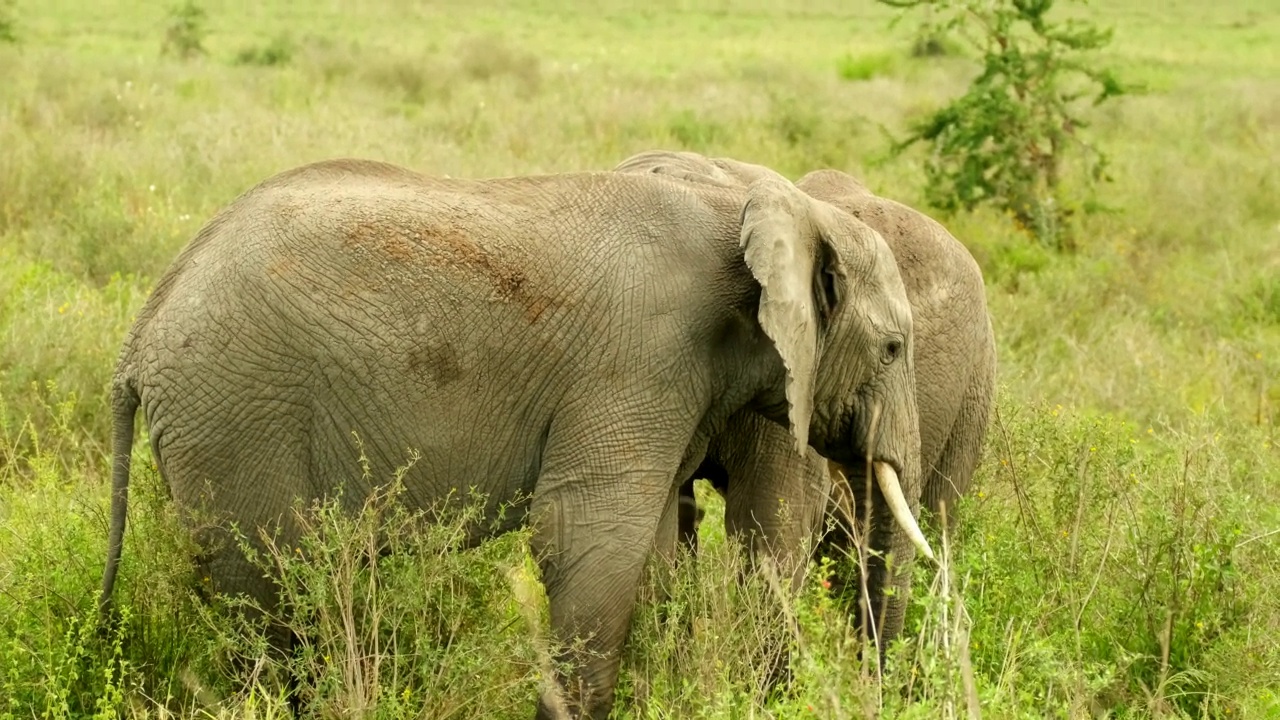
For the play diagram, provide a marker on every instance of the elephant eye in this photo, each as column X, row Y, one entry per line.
column 891, row 350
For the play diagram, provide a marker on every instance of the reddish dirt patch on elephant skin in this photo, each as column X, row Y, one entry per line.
column 451, row 246
column 509, row 283
column 538, row 305
column 388, row 239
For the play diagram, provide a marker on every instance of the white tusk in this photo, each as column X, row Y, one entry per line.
column 887, row 479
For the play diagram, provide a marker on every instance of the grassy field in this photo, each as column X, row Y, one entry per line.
column 1119, row 557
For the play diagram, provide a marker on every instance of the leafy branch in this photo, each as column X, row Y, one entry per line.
column 1004, row 142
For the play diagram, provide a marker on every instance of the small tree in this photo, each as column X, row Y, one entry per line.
column 7, row 33
column 1004, row 141
column 184, row 34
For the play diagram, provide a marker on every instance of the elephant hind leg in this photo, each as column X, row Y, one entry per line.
column 231, row 491
column 225, row 571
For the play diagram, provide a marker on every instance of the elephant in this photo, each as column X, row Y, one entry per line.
column 565, row 345
column 955, row 365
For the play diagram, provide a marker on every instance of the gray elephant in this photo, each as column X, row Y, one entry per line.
column 955, row 365
column 576, row 340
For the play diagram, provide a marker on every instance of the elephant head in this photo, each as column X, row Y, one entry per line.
column 865, row 414
column 955, row 357
column 845, row 337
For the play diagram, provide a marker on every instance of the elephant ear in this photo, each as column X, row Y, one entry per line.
column 800, row 280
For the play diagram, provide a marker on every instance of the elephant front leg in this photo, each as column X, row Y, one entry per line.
column 775, row 501
column 594, row 532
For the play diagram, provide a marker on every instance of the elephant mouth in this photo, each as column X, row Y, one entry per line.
column 887, row 474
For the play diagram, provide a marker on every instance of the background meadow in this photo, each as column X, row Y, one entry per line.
column 1119, row 556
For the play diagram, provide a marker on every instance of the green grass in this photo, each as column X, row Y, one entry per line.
column 866, row 67
column 1118, row 555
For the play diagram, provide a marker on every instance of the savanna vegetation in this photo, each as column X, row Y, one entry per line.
column 1119, row 556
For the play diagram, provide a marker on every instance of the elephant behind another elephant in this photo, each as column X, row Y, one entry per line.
column 955, row 350
column 955, row 365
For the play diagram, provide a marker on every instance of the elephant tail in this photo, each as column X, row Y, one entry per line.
column 124, row 405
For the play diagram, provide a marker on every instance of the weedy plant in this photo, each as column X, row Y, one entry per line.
column 394, row 613
column 8, row 22
column 1008, row 139
column 1122, row 565
column 278, row 51
column 185, row 31
column 56, row 659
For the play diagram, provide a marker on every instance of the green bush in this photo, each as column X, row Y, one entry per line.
column 279, row 51
column 694, row 131
column 56, row 659
column 1113, row 565
column 185, row 31
column 1007, row 140
column 1098, row 566
column 865, row 67
column 393, row 613
column 8, row 22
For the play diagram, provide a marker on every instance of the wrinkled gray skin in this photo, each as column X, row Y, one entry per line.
column 574, row 339
column 955, row 365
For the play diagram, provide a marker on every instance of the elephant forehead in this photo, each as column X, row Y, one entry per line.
column 868, row 257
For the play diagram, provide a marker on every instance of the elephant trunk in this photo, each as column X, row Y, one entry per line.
column 888, row 438
column 897, row 441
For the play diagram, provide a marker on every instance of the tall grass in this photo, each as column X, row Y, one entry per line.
column 1117, row 558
